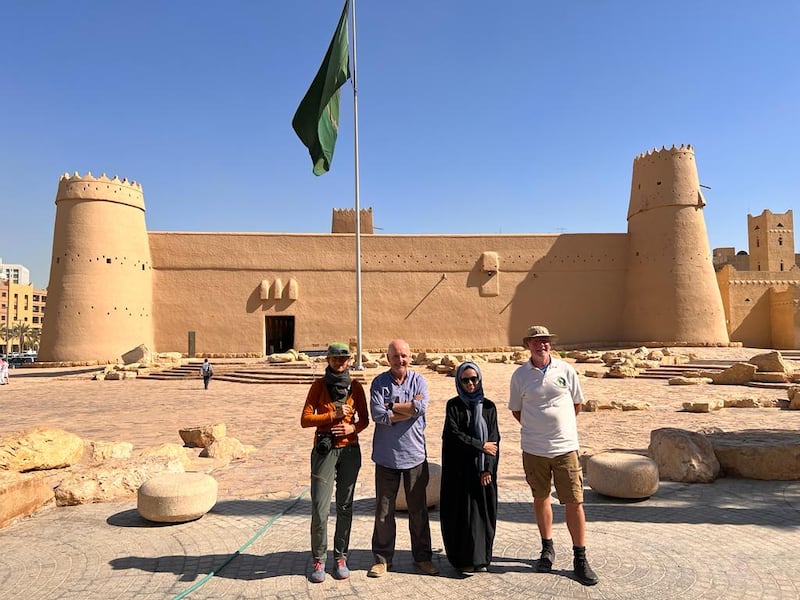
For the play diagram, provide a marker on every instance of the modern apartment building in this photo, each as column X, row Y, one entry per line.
column 16, row 273
column 20, row 304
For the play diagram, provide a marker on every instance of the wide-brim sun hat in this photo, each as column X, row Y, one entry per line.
column 338, row 349
column 538, row 332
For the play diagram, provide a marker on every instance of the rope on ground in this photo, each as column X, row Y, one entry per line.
column 258, row 534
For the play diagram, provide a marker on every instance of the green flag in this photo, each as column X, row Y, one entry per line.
column 316, row 121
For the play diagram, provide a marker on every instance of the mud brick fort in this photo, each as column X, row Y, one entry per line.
column 114, row 285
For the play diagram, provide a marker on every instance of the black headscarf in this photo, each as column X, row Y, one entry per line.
column 474, row 403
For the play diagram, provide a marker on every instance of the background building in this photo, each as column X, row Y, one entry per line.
column 761, row 290
column 16, row 273
column 22, row 311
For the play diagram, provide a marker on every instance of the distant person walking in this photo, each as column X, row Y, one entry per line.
column 398, row 402
column 3, row 372
column 207, row 371
column 546, row 397
column 337, row 406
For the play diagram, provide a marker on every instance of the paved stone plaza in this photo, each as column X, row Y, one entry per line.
column 730, row 539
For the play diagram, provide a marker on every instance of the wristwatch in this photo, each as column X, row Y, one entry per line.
column 389, row 405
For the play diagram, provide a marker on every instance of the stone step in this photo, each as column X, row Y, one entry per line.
column 257, row 373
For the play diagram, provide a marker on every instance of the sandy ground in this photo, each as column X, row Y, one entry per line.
column 148, row 413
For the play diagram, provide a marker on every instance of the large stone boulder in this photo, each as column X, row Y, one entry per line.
column 432, row 491
column 683, row 455
column 21, row 494
column 202, row 436
column 737, row 374
column 622, row 475
column 770, row 454
column 176, row 497
column 39, row 449
column 140, row 354
column 770, row 362
column 113, row 480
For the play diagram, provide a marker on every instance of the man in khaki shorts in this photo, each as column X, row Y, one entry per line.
column 546, row 398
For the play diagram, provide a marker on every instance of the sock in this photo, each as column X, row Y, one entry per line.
column 579, row 551
column 547, row 543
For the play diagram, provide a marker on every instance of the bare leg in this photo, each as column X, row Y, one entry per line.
column 576, row 523
column 544, row 516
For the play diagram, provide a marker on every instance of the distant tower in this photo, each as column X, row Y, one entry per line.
column 671, row 292
column 771, row 241
column 344, row 220
column 100, row 296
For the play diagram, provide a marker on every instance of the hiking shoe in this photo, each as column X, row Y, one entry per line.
column 318, row 572
column 546, row 559
column 378, row 570
column 427, row 567
column 584, row 573
column 340, row 571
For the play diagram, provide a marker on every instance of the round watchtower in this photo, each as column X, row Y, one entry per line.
column 671, row 292
column 100, row 296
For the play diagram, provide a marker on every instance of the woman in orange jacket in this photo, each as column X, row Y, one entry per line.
column 337, row 407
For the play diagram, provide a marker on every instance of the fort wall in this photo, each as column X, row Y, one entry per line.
column 114, row 286
column 434, row 288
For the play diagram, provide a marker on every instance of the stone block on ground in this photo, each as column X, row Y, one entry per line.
column 100, row 451
column 432, row 491
column 176, row 497
column 770, row 362
column 202, row 436
column 703, row 406
column 680, row 380
column 683, row 455
column 140, row 354
column 21, row 494
column 737, row 374
column 622, row 475
column 768, row 454
column 113, row 480
column 228, row 448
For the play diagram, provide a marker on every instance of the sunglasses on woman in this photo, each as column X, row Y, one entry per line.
column 472, row 380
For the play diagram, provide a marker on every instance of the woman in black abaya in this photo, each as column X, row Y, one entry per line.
column 470, row 452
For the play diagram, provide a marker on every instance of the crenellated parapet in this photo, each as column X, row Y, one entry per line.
column 665, row 177
column 88, row 187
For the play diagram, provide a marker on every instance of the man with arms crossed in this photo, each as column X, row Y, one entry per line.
column 546, row 398
column 398, row 401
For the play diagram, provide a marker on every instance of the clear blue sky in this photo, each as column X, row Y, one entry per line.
column 475, row 117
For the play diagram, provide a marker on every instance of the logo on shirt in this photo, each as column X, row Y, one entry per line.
column 561, row 382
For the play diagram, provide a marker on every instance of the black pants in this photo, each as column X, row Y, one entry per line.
column 387, row 484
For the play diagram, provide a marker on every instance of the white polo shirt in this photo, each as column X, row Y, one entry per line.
column 546, row 405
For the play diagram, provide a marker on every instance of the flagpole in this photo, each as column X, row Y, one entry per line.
column 358, row 364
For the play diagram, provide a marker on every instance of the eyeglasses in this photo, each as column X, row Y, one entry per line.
column 472, row 380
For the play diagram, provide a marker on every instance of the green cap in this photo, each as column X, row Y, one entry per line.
column 338, row 349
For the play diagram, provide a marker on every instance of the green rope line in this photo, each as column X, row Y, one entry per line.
column 258, row 534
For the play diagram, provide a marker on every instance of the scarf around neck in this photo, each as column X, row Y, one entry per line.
column 338, row 385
